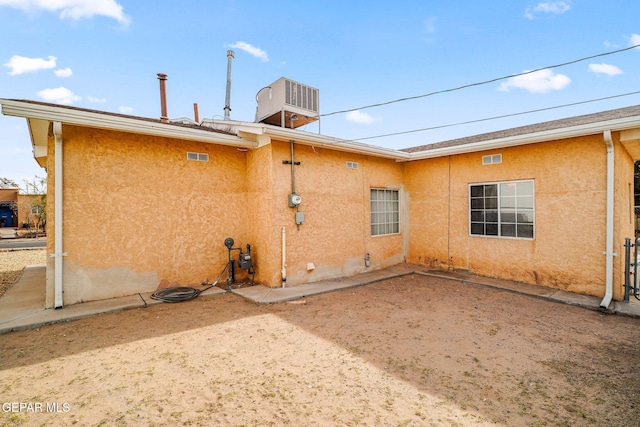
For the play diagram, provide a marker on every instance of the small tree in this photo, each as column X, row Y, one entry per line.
column 7, row 183
column 36, row 207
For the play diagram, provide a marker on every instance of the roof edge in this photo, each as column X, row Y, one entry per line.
column 98, row 119
column 531, row 138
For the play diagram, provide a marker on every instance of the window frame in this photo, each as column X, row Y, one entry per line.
column 386, row 220
column 501, row 211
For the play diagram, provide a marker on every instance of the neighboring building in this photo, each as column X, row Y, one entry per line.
column 18, row 210
column 30, row 210
column 141, row 201
column 8, row 204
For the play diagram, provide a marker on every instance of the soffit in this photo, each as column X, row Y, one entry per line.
column 39, row 130
column 630, row 139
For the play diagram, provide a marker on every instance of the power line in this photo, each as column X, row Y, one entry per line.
column 496, row 117
column 480, row 83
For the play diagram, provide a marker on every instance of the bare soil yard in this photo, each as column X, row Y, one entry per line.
column 411, row 351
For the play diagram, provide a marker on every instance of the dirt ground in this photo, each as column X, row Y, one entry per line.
column 412, row 351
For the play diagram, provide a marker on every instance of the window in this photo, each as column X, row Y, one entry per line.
column 36, row 210
column 385, row 212
column 502, row 209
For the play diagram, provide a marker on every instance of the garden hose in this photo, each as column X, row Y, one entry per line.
column 183, row 293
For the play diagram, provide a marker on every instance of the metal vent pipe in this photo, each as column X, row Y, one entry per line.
column 227, row 101
column 164, row 118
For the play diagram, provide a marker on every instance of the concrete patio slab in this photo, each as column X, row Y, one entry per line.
column 22, row 307
column 263, row 295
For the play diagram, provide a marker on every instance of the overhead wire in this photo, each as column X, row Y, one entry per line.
column 495, row 117
column 409, row 98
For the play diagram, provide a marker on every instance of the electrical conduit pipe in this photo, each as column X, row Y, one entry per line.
column 608, row 295
column 284, row 257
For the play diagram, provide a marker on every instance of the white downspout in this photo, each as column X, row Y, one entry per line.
column 284, row 257
column 57, row 133
column 608, row 295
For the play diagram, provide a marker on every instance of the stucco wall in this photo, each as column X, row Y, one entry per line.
column 136, row 211
column 25, row 204
column 257, row 215
column 8, row 195
column 336, row 233
column 570, row 202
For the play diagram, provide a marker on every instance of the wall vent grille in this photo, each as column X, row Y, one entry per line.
column 492, row 159
column 352, row 165
column 198, row 157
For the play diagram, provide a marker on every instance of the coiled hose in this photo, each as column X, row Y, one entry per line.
column 177, row 294
column 183, row 293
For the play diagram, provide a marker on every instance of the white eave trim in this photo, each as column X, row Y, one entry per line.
column 335, row 143
column 595, row 128
column 125, row 124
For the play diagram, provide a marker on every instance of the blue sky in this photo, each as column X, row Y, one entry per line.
column 105, row 54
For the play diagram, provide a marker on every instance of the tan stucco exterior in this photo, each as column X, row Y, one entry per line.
column 23, row 204
column 26, row 202
column 570, row 214
column 136, row 211
column 8, row 194
column 335, row 235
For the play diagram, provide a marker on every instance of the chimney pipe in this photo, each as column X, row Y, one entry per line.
column 227, row 103
column 163, row 98
column 195, row 112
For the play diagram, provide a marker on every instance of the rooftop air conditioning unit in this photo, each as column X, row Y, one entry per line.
column 288, row 104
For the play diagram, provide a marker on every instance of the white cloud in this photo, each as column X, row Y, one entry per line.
column 358, row 116
column 429, row 24
column 539, row 82
column 125, row 110
column 609, row 70
column 251, row 50
column 634, row 40
column 64, row 72
column 72, row 9
column 59, row 95
column 429, row 28
column 22, row 64
column 554, row 8
column 97, row 100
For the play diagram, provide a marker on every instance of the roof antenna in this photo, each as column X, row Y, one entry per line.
column 227, row 103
